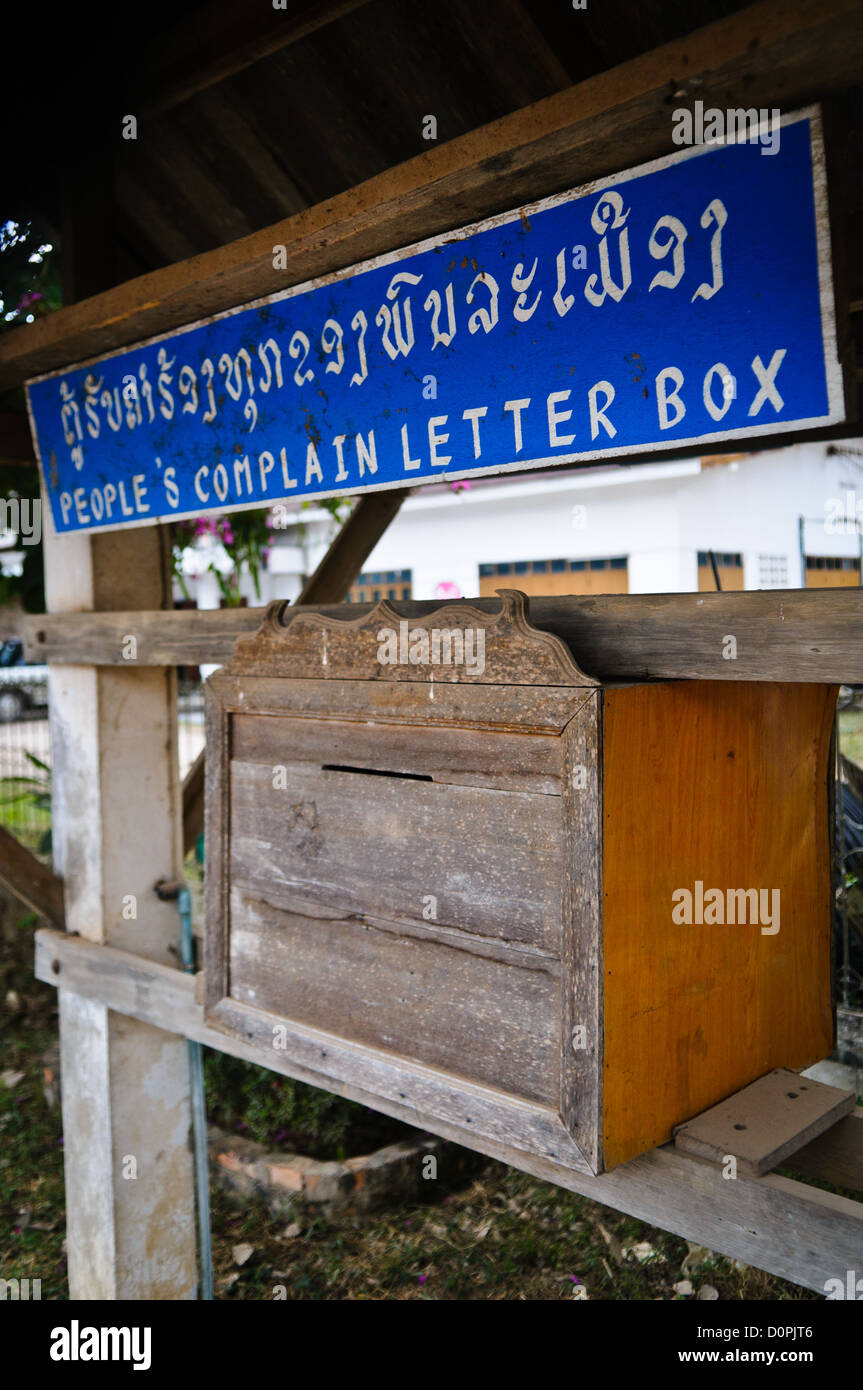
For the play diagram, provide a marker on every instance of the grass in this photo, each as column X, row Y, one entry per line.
column 493, row 1234
column 851, row 734
column 27, row 822
column 502, row 1236
column 32, row 1205
column 506, row 1236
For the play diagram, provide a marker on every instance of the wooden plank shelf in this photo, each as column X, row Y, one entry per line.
column 788, row 635
column 765, row 1122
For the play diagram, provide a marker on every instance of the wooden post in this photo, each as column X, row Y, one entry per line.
column 130, row 1205
column 126, row 1114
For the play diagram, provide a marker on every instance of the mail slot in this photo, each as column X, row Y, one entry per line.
column 453, row 876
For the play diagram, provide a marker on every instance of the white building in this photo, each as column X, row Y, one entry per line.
column 783, row 518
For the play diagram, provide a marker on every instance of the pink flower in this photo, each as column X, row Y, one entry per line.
column 421, row 1278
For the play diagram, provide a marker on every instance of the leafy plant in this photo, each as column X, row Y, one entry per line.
column 31, row 791
column 244, row 536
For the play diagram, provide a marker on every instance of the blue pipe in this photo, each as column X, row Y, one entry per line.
column 199, row 1112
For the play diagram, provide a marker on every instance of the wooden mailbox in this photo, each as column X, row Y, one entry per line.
column 448, row 870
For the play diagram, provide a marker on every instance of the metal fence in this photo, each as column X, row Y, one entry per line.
column 25, row 779
column 25, row 765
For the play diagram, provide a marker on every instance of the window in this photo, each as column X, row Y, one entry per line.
column 369, row 587
column 559, row 576
column 832, row 571
column 729, row 565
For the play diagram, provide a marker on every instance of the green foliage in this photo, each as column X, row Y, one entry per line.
column 27, row 794
column 29, row 272
column 276, row 1110
column 29, row 289
column 245, row 536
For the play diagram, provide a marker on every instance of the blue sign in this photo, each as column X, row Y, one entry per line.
column 685, row 301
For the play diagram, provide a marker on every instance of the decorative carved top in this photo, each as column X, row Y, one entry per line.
column 455, row 643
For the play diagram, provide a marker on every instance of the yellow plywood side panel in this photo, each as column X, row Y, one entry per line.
column 723, row 784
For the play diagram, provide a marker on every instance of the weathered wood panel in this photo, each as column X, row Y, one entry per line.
column 788, row 635
column 117, row 830
column 835, row 1157
column 203, row 48
column 472, row 757
column 499, row 708
column 425, row 1000
column 357, row 844
column 460, row 645
column 582, row 976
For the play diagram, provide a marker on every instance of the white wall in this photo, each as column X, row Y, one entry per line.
column 658, row 515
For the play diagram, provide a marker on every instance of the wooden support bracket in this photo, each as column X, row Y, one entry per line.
column 30, row 880
column 765, row 1122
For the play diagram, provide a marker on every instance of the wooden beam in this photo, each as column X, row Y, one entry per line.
column 615, row 119
column 782, row 634
column 790, row 1229
column 223, row 38
column 352, row 546
column 193, row 803
column 30, row 880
